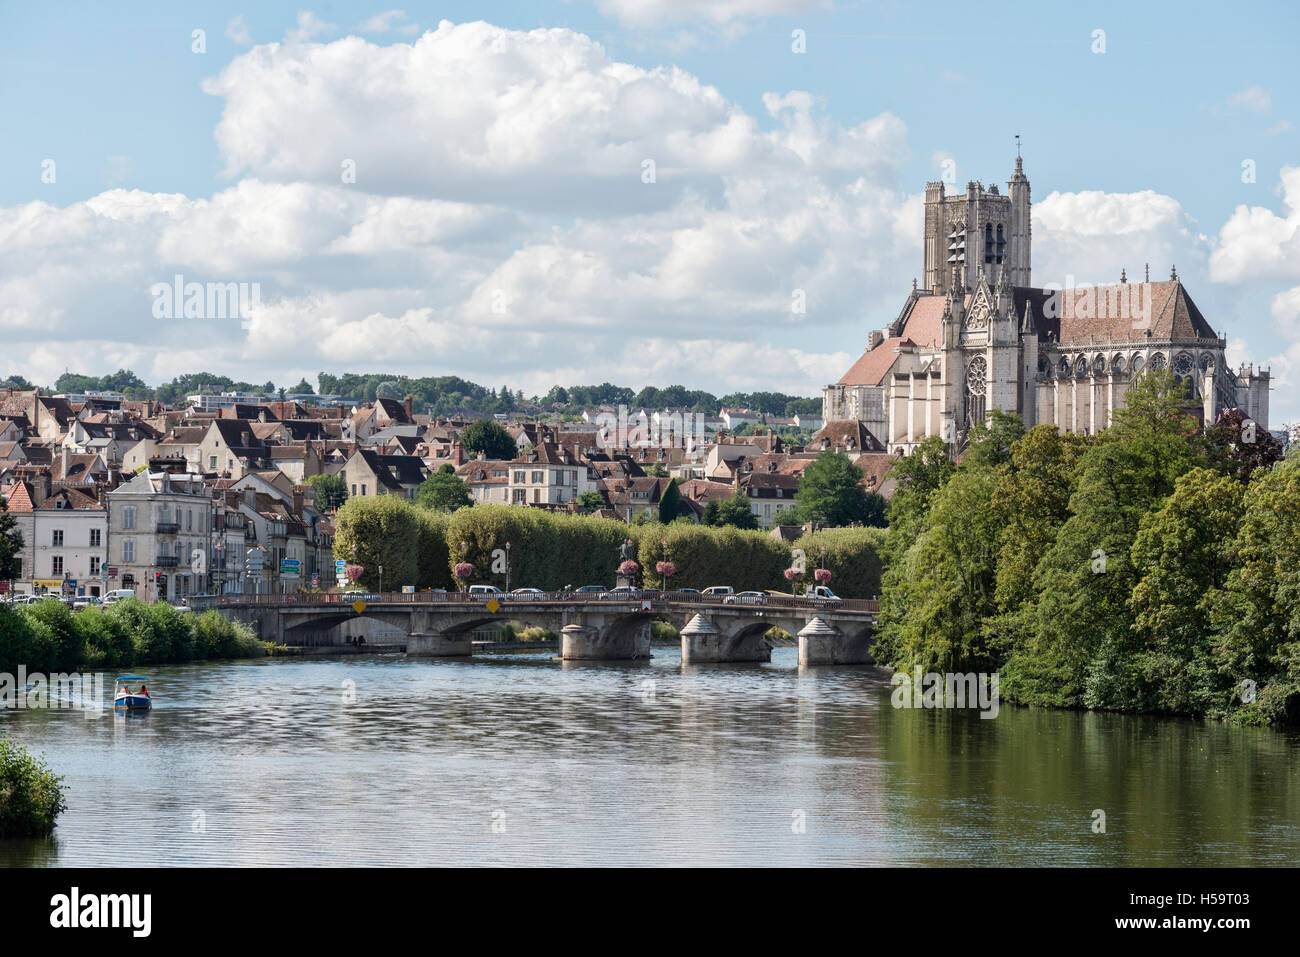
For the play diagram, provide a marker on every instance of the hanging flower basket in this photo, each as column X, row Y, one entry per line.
column 628, row 568
column 353, row 571
column 667, row 569
column 793, row 575
column 823, row 575
column 464, row 570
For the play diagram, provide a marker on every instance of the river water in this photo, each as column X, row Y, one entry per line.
column 520, row 759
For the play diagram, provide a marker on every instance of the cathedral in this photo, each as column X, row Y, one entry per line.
column 980, row 336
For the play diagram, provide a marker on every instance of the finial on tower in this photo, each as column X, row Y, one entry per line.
column 913, row 284
column 1148, row 275
column 1123, row 275
column 1173, row 273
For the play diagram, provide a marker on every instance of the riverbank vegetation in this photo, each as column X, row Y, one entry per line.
column 1152, row 567
column 48, row 637
column 31, row 795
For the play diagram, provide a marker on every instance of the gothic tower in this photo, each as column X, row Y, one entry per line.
column 1018, row 190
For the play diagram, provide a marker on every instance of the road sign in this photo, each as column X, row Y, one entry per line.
column 647, row 604
column 358, row 606
column 494, row 606
column 290, row 568
column 315, row 580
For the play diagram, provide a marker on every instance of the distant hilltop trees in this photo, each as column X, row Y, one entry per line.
column 441, row 395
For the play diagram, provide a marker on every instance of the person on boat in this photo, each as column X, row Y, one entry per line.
column 144, row 691
column 122, row 691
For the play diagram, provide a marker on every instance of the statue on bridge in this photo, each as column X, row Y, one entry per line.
column 627, row 552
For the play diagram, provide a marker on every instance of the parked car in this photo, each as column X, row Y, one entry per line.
column 746, row 598
column 624, row 592
column 22, row 599
column 485, row 592
column 717, row 591
column 526, row 594
column 589, row 590
column 685, row 591
column 118, row 594
column 88, row 601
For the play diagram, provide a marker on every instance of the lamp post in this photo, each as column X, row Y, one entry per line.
column 664, row 543
column 381, row 579
column 507, row 566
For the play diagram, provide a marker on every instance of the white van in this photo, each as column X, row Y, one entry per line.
column 117, row 594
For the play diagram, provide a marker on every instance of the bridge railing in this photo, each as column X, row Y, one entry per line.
column 660, row 600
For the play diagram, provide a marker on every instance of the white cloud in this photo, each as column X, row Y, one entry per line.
column 1256, row 243
column 1092, row 235
column 237, row 31
column 1255, row 99
column 660, row 13
column 309, row 27
column 389, row 21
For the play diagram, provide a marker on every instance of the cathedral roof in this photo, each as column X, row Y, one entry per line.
column 1125, row 311
column 874, row 364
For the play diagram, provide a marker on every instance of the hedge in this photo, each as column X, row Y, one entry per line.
column 853, row 556
column 31, row 795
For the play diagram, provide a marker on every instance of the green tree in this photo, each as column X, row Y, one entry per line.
column 33, row 794
column 591, row 500
column 490, row 438
column 11, row 544
column 736, row 512
column 303, row 387
column 444, row 491
column 670, row 503
column 831, row 490
column 379, row 530
column 1183, row 555
column 330, row 491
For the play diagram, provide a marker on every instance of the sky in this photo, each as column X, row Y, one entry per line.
column 725, row 194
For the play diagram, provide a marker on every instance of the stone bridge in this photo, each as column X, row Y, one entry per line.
column 441, row 624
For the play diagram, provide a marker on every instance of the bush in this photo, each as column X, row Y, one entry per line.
column 703, row 556
column 107, row 638
column 219, row 637
column 380, row 530
column 15, row 639
column 853, row 556
column 31, row 795
column 59, row 645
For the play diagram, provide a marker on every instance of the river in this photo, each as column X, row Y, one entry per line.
column 520, row 759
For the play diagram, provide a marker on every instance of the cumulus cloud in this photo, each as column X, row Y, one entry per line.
column 1257, row 243
column 1091, row 235
column 389, row 21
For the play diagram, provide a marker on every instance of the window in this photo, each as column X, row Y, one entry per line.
column 539, row 478
column 128, row 549
column 354, row 488
column 94, row 565
column 363, row 488
column 212, row 462
column 56, row 565
column 537, row 495
column 57, row 536
column 520, row 496
column 519, row 478
column 94, row 538
column 189, row 520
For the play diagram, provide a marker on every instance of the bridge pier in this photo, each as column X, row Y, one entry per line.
column 701, row 642
column 823, row 644
column 437, row 645
column 610, row 643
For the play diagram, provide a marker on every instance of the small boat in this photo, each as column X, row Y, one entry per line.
column 124, row 699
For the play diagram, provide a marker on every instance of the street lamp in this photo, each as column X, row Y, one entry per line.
column 381, row 579
column 664, row 543
column 507, row 566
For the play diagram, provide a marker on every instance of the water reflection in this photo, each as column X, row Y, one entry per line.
column 521, row 759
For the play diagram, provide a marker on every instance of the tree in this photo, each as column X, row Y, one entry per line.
column 11, row 544
column 831, row 490
column 330, row 491
column 490, row 438
column 736, row 511
column 591, row 500
column 444, row 491
column 303, row 387
column 656, row 470
column 670, row 503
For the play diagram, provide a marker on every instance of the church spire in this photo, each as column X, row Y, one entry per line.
column 1027, row 324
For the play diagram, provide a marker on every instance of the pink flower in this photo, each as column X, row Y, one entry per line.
column 793, row 574
column 464, row 569
column 628, row 568
column 667, row 569
column 823, row 575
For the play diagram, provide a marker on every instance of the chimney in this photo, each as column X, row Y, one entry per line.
column 457, row 453
column 297, row 499
column 409, row 417
column 875, row 338
column 65, row 459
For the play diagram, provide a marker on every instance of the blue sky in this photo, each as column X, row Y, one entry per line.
column 1182, row 95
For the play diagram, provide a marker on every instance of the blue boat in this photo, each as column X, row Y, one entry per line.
column 124, row 699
